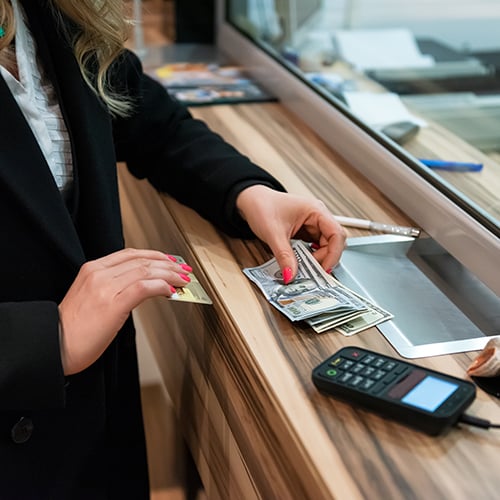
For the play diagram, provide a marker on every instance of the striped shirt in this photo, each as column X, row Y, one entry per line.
column 37, row 100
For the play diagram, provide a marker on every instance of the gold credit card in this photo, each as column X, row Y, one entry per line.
column 192, row 291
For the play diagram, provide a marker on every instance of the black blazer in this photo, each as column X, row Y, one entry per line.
column 81, row 436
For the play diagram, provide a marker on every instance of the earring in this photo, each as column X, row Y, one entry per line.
column 2, row 32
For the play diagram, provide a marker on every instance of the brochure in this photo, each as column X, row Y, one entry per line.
column 201, row 83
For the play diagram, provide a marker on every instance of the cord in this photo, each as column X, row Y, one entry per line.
column 477, row 422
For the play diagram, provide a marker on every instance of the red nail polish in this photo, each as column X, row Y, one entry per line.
column 287, row 275
column 314, row 246
column 186, row 268
column 171, row 257
column 185, row 277
column 172, row 289
column 329, row 271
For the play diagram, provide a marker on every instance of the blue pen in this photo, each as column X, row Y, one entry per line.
column 454, row 166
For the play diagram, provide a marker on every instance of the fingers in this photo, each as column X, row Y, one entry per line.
column 285, row 256
column 126, row 267
column 139, row 269
column 103, row 295
column 130, row 254
column 277, row 217
column 331, row 242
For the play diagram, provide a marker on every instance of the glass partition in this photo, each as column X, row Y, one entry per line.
column 422, row 77
column 411, row 87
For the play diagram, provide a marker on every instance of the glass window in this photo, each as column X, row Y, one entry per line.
column 422, row 77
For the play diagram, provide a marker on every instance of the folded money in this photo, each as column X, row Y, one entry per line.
column 315, row 296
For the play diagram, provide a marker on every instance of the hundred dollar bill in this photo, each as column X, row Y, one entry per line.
column 192, row 291
column 373, row 316
column 349, row 325
column 354, row 300
column 368, row 319
column 323, row 324
column 311, row 293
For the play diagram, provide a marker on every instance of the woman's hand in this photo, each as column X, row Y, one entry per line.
column 102, row 296
column 277, row 217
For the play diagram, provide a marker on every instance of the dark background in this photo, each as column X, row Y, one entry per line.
column 194, row 21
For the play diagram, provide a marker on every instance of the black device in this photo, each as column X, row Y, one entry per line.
column 420, row 398
column 401, row 132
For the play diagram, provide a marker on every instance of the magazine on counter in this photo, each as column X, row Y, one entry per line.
column 201, row 83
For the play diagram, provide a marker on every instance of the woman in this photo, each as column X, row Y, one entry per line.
column 72, row 104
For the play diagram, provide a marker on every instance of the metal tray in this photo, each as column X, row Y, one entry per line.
column 439, row 307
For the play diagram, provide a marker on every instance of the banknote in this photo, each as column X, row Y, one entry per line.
column 372, row 317
column 312, row 292
column 193, row 291
column 323, row 325
column 315, row 296
column 349, row 325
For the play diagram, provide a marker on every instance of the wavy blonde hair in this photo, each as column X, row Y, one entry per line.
column 103, row 30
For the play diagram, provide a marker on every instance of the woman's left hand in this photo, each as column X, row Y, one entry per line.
column 277, row 217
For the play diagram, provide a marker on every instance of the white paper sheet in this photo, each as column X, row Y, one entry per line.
column 379, row 109
column 381, row 49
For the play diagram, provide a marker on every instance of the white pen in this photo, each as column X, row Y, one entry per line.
column 378, row 226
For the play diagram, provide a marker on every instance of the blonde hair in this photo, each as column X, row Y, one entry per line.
column 103, row 29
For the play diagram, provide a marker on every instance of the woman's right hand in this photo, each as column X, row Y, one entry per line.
column 103, row 295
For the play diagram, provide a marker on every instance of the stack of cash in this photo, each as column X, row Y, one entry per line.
column 315, row 296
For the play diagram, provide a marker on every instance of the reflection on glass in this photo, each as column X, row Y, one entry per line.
column 423, row 77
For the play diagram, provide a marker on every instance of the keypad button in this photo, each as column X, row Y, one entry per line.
column 367, row 384
column 346, row 364
column 331, row 372
column 356, row 380
column 391, row 377
column 400, row 369
column 358, row 368
column 368, row 359
column 368, row 371
column 345, row 377
column 379, row 362
column 354, row 355
column 377, row 388
column 336, row 362
column 378, row 375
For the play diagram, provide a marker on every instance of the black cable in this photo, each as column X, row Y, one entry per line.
column 477, row 422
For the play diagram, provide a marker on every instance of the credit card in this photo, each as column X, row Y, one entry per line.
column 191, row 292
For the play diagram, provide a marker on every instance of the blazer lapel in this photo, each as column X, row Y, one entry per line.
column 25, row 173
column 95, row 208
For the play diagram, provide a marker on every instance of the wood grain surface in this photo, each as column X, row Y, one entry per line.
column 239, row 373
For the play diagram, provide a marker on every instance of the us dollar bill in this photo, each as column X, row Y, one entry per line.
column 315, row 296
column 311, row 293
column 372, row 315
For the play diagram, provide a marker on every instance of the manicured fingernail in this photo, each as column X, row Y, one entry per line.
column 314, row 246
column 185, row 277
column 171, row 257
column 186, row 268
column 329, row 271
column 172, row 289
column 287, row 275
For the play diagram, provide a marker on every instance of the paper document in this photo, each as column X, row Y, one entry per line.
column 380, row 49
column 378, row 109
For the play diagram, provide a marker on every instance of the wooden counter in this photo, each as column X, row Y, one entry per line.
column 239, row 373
